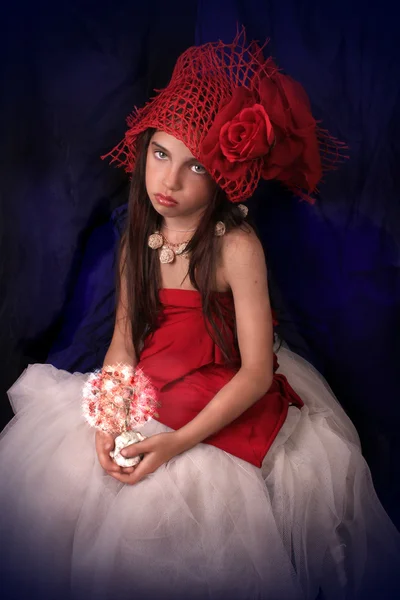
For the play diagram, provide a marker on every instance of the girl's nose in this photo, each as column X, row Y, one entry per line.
column 171, row 178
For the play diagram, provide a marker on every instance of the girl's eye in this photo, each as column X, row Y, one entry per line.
column 160, row 154
column 199, row 169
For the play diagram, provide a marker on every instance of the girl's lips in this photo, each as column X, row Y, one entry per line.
column 165, row 200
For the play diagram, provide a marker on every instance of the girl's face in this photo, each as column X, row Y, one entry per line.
column 177, row 184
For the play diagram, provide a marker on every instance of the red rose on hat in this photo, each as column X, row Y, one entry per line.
column 248, row 135
column 241, row 132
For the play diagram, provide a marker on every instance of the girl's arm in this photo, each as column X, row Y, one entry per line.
column 121, row 350
column 244, row 270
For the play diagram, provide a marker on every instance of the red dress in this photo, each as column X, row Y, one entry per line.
column 188, row 369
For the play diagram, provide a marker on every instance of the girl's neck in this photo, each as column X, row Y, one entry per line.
column 180, row 223
column 179, row 227
column 179, row 230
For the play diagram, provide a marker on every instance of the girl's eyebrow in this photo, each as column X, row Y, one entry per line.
column 159, row 147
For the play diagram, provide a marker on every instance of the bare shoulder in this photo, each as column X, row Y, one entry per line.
column 242, row 254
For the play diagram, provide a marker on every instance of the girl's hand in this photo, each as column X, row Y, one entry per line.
column 104, row 445
column 157, row 449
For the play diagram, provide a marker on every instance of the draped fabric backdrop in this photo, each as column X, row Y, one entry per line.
column 71, row 71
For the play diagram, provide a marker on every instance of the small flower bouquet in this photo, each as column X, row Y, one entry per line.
column 116, row 399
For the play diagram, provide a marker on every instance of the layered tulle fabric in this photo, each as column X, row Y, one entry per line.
column 206, row 525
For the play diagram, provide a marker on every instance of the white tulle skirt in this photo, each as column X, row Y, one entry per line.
column 206, row 525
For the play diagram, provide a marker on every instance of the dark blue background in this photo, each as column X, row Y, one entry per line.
column 71, row 71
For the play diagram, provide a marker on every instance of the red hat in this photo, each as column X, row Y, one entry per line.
column 240, row 117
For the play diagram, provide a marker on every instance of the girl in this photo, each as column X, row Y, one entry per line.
column 250, row 486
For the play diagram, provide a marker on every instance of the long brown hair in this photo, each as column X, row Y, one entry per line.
column 141, row 265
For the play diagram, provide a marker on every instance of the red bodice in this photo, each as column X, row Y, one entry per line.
column 188, row 369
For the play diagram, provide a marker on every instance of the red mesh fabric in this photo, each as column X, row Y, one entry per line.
column 240, row 117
